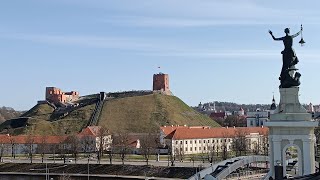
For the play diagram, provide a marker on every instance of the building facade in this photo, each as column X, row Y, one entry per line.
column 257, row 118
column 88, row 140
column 196, row 140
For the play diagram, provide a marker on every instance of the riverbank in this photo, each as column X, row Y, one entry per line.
column 96, row 170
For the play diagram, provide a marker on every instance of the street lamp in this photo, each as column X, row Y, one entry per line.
column 88, row 167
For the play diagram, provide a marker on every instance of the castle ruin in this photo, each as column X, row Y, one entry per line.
column 56, row 96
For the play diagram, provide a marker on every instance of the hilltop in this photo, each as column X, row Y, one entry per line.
column 120, row 112
column 45, row 119
column 149, row 112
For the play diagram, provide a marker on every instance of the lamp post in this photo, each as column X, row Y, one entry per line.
column 278, row 170
column 88, row 167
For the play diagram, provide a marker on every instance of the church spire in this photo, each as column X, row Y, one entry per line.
column 273, row 105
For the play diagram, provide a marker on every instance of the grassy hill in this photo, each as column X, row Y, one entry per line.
column 41, row 119
column 141, row 113
column 145, row 113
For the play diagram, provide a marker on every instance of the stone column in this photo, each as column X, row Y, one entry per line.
column 277, row 148
column 308, row 161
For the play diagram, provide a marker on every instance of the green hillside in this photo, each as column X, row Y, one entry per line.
column 145, row 113
column 42, row 119
column 136, row 113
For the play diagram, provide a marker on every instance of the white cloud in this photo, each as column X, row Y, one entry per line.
column 187, row 13
column 159, row 47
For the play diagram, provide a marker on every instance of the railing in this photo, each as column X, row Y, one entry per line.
column 96, row 113
column 232, row 165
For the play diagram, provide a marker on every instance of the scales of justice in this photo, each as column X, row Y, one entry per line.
column 290, row 125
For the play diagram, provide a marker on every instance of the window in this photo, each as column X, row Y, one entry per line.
column 204, row 148
column 195, row 141
column 191, row 149
column 221, row 140
column 208, row 141
column 186, row 142
column 180, row 149
column 180, row 142
column 195, row 148
column 190, row 142
column 186, row 149
column 204, row 141
column 213, row 141
column 176, row 142
column 199, row 141
column 225, row 140
column 199, row 148
column 251, row 123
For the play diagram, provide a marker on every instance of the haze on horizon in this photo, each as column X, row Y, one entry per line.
column 212, row 50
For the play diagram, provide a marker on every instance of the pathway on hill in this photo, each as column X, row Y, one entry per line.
column 96, row 113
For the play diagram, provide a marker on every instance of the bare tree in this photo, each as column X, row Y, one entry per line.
column 110, row 152
column 121, row 141
column 210, row 153
column 180, row 152
column 74, row 145
column 88, row 145
column 13, row 146
column 43, row 146
column 224, row 146
column 239, row 142
column 3, row 148
column 102, row 142
column 171, row 155
column 29, row 139
column 53, row 148
column 149, row 143
column 218, row 148
column 63, row 146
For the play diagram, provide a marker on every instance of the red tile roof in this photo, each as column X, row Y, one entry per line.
column 221, row 132
column 168, row 129
column 90, row 131
column 23, row 139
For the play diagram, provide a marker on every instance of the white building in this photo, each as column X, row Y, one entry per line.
column 257, row 118
column 195, row 140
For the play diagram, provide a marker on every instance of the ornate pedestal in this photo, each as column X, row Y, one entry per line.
column 291, row 125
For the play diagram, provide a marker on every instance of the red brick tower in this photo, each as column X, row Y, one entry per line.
column 161, row 82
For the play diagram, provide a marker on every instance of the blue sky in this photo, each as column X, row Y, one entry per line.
column 212, row 50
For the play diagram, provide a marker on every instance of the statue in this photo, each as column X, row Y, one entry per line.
column 288, row 76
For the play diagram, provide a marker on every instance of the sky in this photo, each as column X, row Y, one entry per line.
column 213, row 50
